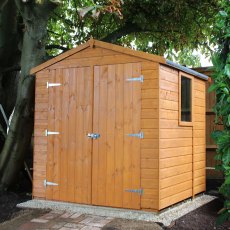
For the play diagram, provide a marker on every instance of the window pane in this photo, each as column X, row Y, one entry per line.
column 186, row 99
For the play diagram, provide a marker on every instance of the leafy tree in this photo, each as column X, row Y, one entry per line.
column 221, row 85
column 152, row 26
column 33, row 30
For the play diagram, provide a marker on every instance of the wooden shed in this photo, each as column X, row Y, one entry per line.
column 117, row 127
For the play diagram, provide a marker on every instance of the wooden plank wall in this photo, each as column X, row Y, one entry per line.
column 175, row 150
column 199, row 182
column 150, row 143
column 40, row 141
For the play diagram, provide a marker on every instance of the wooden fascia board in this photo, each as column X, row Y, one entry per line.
column 59, row 58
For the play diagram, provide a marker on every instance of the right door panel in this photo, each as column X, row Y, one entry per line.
column 116, row 156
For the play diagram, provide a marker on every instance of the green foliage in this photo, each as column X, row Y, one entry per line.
column 184, row 57
column 175, row 24
column 221, row 85
column 74, row 22
column 223, row 216
column 170, row 28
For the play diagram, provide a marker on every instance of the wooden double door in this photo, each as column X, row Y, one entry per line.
column 94, row 100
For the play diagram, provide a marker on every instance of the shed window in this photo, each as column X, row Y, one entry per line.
column 185, row 100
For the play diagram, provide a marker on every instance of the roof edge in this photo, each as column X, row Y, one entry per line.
column 60, row 57
column 132, row 52
column 186, row 70
column 93, row 42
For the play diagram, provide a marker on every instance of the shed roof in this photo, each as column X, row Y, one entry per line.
column 92, row 42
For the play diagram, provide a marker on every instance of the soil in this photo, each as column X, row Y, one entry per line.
column 8, row 202
column 203, row 218
column 19, row 193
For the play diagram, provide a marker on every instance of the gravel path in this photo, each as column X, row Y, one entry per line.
column 166, row 216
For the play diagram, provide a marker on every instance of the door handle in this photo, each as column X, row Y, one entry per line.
column 93, row 135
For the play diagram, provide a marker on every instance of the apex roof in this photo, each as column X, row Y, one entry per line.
column 93, row 42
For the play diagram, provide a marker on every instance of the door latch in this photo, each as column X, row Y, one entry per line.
column 139, row 135
column 140, row 191
column 93, row 135
column 140, row 79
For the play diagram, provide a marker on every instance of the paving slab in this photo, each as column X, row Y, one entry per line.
column 73, row 221
column 38, row 219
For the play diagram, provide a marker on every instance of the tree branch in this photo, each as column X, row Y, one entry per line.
column 226, row 49
column 67, row 21
column 21, row 7
column 50, row 5
column 11, row 69
column 2, row 131
column 2, row 4
column 128, row 28
column 26, row 8
column 206, row 46
column 52, row 32
column 48, row 47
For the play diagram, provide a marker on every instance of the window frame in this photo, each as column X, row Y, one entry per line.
column 186, row 123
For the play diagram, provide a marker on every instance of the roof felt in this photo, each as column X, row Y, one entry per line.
column 186, row 70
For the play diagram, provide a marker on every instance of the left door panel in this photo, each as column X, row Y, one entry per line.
column 69, row 152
